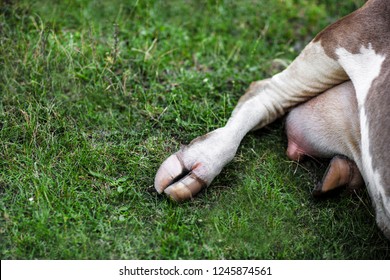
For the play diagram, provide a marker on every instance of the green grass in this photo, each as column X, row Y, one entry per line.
column 96, row 94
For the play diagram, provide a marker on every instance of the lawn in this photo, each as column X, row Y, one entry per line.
column 94, row 95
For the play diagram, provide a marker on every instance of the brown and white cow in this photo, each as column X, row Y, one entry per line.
column 355, row 48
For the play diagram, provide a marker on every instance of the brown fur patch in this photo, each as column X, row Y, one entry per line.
column 377, row 109
column 367, row 25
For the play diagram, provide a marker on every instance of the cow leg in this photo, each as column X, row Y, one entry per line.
column 341, row 172
column 194, row 166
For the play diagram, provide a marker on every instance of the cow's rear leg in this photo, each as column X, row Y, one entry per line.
column 184, row 173
column 341, row 172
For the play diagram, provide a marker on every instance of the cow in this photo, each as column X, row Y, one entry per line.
column 352, row 53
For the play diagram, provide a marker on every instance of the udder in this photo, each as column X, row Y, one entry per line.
column 327, row 126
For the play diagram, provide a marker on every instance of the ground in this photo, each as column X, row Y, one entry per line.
column 96, row 94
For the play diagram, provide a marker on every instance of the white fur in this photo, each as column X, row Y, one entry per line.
column 363, row 68
column 310, row 74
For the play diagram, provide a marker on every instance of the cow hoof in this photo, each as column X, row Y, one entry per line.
column 176, row 181
column 341, row 172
